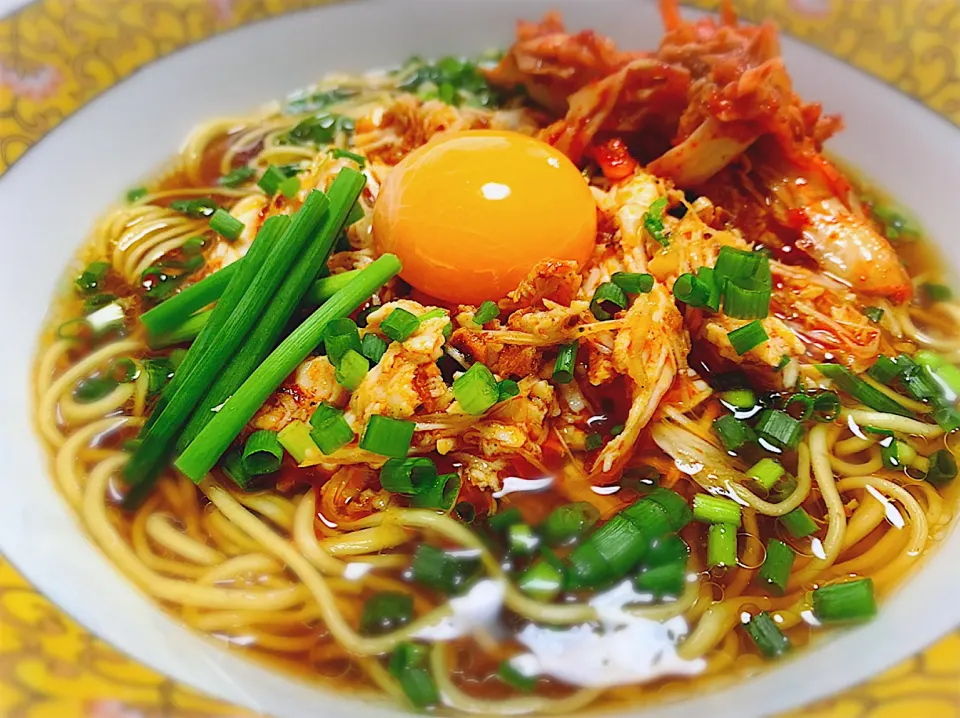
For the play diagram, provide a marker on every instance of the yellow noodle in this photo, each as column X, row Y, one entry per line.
column 160, row 528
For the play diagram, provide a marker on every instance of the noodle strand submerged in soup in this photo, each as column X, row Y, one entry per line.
column 713, row 414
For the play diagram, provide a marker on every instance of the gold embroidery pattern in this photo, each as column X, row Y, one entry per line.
column 58, row 55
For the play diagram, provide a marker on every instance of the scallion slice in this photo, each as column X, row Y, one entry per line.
column 91, row 277
column 746, row 299
column 716, row 510
column 798, row 523
column 799, row 406
column 476, row 389
column 874, row 314
column 607, row 301
column 232, row 466
column 437, row 569
column 766, row 635
column 568, row 522
column 565, row 365
column 340, row 336
column 733, row 432
column 385, row 612
column 766, row 472
column 373, row 348
column 330, row 430
column 943, row 468
column 440, row 495
column 515, row 679
column 271, row 179
column 388, row 436
column 236, row 177
column 486, row 312
column 399, row 324
column 775, row 571
column 678, row 510
column 410, row 476
column 691, row 290
column 633, row 282
column 295, row 438
column 846, row 602
column 226, row 225
column 351, row 370
column 721, row 545
column 779, row 428
column 508, row 389
column 662, row 581
column 262, row 453
column 542, row 580
column 826, row 406
column 522, row 540
column 747, row 337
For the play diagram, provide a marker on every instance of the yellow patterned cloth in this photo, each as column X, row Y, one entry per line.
column 57, row 55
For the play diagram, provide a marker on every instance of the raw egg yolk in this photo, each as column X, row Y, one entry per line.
column 471, row 213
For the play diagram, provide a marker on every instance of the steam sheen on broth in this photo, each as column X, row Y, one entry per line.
column 714, row 416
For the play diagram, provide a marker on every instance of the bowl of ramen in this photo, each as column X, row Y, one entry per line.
column 598, row 370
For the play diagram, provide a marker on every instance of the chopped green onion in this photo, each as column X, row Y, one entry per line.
column 666, row 580
column 515, row 679
column 947, row 418
column 650, row 517
column 653, row 221
column 691, row 290
column 937, row 292
column 746, row 299
column 568, row 522
column 330, row 430
column 678, row 510
column 226, row 225
column 766, row 635
column 616, row 430
column 502, row 520
column 250, row 396
column 747, row 337
column 775, row 571
column 716, row 284
column 766, row 472
column 93, row 389
column 262, row 453
column 271, row 179
column 196, row 208
column 845, row 602
column 874, row 314
column 826, row 406
column 716, row 510
column 593, row 442
column 439, row 570
column 340, row 336
column 385, row 612
column 608, row 553
column 236, row 177
column 387, row 436
column 91, row 277
column 607, row 301
column 465, row 512
column 232, row 466
column 732, row 432
column 159, row 373
column 564, row 366
column 417, row 683
column 721, row 545
column 409, row 476
column 798, row 523
column 441, row 495
column 476, row 389
column 542, row 580
column 885, row 369
column 799, row 406
column 521, row 540
column 669, row 549
column 782, row 364
column 487, row 312
column 943, row 468
column 399, row 324
column 136, row 193
column 507, row 389
column 373, row 348
column 289, row 187
column 346, row 154
column 351, row 370
column 857, row 388
column 633, row 282
column 779, row 428
column 735, row 263
column 918, row 380
column 739, row 398
column 295, row 438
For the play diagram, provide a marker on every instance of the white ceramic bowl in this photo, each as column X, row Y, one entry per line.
column 51, row 197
